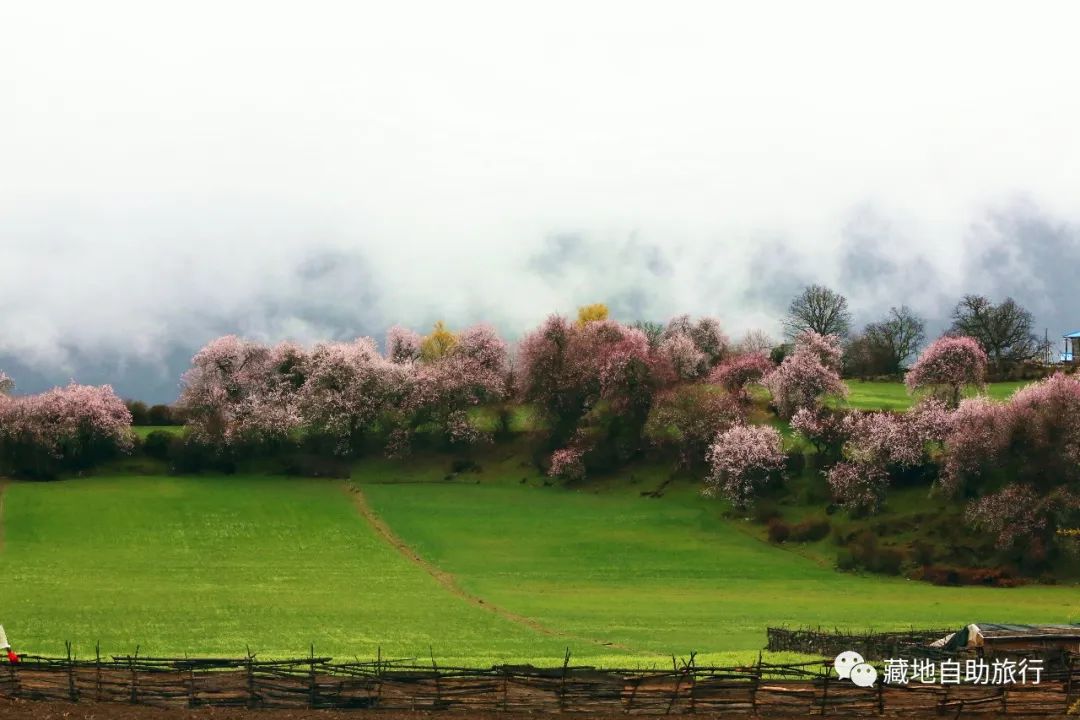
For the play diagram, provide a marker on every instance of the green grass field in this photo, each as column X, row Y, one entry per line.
column 144, row 430
column 213, row 564
column 866, row 395
column 663, row 575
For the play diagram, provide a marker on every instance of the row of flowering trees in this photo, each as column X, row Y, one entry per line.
column 64, row 429
column 240, row 394
column 597, row 384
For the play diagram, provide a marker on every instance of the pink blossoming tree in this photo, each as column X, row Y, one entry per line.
column 687, row 418
column 64, row 428
column 881, row 444
column 550, row 374
column 439, row 392
column 346, row 388
column 239, row 392
column 947, row 366
column 810, row 373
column 743, row 459
column 1021, row 516
column 737, row 372
column 1033, row 437
column 1046, row 430
column 403, row 345
column 567, row 463
column 705, row 333
column 824, row 428
column 977, row 435
column 859, row 486
column 687, row 361
column 598, row 378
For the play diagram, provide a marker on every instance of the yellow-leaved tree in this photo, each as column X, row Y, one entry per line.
column 589, row 313
column 438, row 343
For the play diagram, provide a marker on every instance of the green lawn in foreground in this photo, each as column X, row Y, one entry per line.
column 209, row 565
column 661, row 575
column 869, row 395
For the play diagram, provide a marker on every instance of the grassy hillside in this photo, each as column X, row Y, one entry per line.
column 212, row 564
column 660, row 574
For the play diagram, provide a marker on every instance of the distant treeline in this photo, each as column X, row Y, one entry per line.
column 143, row 415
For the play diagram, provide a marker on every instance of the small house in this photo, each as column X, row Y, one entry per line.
column 1071, row 353
column 991, row 638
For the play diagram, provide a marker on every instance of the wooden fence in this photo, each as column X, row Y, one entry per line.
column 319, row 682
column 876, row 645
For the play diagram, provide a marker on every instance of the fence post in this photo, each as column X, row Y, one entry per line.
column 825, row 694
column 755, row 683
column 311, row 679
column 693, row 680
column 1070, row 669
column 134, row 676
column 562, row 684
column 250, row 678
column 678, row 681
column 97, row 671
column 378, row 679
column 193, row 700
column 438, row 685
column 73, row 693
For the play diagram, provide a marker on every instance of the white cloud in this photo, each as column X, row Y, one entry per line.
column 167, row 170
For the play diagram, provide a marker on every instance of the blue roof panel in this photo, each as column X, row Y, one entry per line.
column 1074, row 334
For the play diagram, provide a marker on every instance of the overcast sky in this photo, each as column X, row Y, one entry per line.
column 173, row 171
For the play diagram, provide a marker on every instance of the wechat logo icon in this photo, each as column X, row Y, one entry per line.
column 850, row 665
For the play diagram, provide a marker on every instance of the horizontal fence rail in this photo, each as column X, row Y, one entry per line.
column 319, row 682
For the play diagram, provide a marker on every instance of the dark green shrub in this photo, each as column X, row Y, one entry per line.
column 867, row 554
column 815, row 492
column 922, row 552
column 955, row 575
column 886, row 561
column 778, row 531
column 188, row 456
column 795, row 463
column 461, row 465
column 778, row 353
column 845, row 560
column 810, row 530
column 157, row 444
